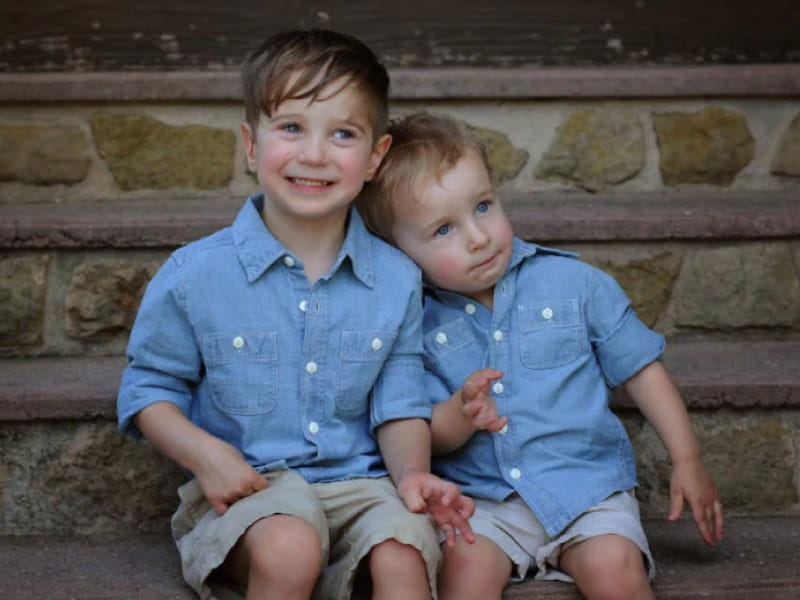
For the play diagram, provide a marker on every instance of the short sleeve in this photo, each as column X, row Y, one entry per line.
column 623, row 344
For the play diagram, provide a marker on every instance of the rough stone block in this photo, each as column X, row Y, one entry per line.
column 82, row 478
column 594, row 149
column 731, row 287
column 787, row 157
column 43, row 154
column 23, row 289
column 505, row 160
column 711, row 146
column 103, row 297
column 143, row 152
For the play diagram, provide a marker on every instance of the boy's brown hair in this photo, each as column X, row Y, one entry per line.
column 423, row 146
column 314, row 58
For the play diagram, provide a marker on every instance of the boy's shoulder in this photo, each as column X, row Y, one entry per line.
column 192, row 251
column 392, row 262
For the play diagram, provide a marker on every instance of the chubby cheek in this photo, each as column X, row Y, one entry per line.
column 446, row 271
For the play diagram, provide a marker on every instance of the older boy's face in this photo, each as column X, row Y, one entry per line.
column 312, row 158
column 456, row 231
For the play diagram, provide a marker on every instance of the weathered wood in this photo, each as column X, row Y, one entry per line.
column 96, row 35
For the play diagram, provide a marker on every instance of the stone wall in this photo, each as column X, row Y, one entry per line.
column 82, row 476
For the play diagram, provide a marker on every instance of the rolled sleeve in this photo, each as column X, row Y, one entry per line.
column 623, row 344
column 399, row 392
column 163, row 359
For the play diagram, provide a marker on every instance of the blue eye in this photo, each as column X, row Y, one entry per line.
column 291, row 128
column 343, row 134
column 482, row 206
column 443, row 230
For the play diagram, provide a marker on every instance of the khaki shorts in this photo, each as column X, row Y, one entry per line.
column 351, row 517
column 514, row 527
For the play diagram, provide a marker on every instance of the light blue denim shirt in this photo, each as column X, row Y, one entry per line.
column 563, row 333
column 294, row 376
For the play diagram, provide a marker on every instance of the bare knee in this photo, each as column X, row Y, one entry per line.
column 392, row 563
column 480, row 570
column 608, row 567
column 284, row 550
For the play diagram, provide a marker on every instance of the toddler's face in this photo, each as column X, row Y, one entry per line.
column 456, row 230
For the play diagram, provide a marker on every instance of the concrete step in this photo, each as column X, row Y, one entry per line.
column 759, row 559
column 735, row 374
column 539, row 216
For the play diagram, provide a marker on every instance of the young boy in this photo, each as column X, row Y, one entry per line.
column 275, row 358
column 547, row 336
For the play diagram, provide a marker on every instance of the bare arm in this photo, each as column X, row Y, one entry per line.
column 406, row 449
column 223, row 474
column 469, row 410
column 659, row 400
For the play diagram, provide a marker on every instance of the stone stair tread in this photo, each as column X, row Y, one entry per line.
column 709, row 373
column 551, row 216
column 759, row 559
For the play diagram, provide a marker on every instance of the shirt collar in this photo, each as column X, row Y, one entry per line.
column 258, row 249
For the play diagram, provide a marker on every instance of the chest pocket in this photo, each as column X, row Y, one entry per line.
column 453, row 352
column 242, row 371
column 551, row 333
column 362, row 356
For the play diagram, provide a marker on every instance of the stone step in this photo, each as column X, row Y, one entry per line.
column 759, row 559
column 538, row 216
column 734, row 374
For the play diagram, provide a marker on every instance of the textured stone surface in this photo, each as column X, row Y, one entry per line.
column 787, row 157
column 143, row 152
column 711, row 146
column 505, row 160
column 594, row 149
column 103, row 297
column 747, row 285
column 23, row 287
column 752, row 458
column 647, row 280
column 43, row 154
column 82, row 478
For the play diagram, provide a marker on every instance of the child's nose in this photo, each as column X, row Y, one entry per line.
column 313, row 150
column 478, row 236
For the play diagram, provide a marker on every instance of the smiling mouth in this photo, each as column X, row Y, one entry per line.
column 488, row 262
column 312, row 183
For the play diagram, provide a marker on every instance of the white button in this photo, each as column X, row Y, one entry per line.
column 470, row 309
column 303, row 305
column 311, row 368
column 288, row 261
column 498, row 387
column 238, row 342
column 441, row 338
column 498, row 336
column 504, row 430
column 515, row 473
column 377, row 344
column 313, row 427
column 547, row 313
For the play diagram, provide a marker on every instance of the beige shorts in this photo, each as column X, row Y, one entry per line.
column 351, row 517
column 514, row 527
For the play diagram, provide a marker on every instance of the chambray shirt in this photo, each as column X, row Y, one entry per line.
column 563, row 333
column 294, row 376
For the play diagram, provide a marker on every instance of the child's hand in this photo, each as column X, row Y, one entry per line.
column 442, row 500
column 692, row 483
column 478, row 405
column 226, row 476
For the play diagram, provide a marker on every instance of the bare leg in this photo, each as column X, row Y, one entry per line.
column 278, row 557
column 478, row 571
column 398, row 572
column 608, row 567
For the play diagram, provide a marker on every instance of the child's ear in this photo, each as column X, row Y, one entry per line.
column 379, row 150
column 249, row 139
